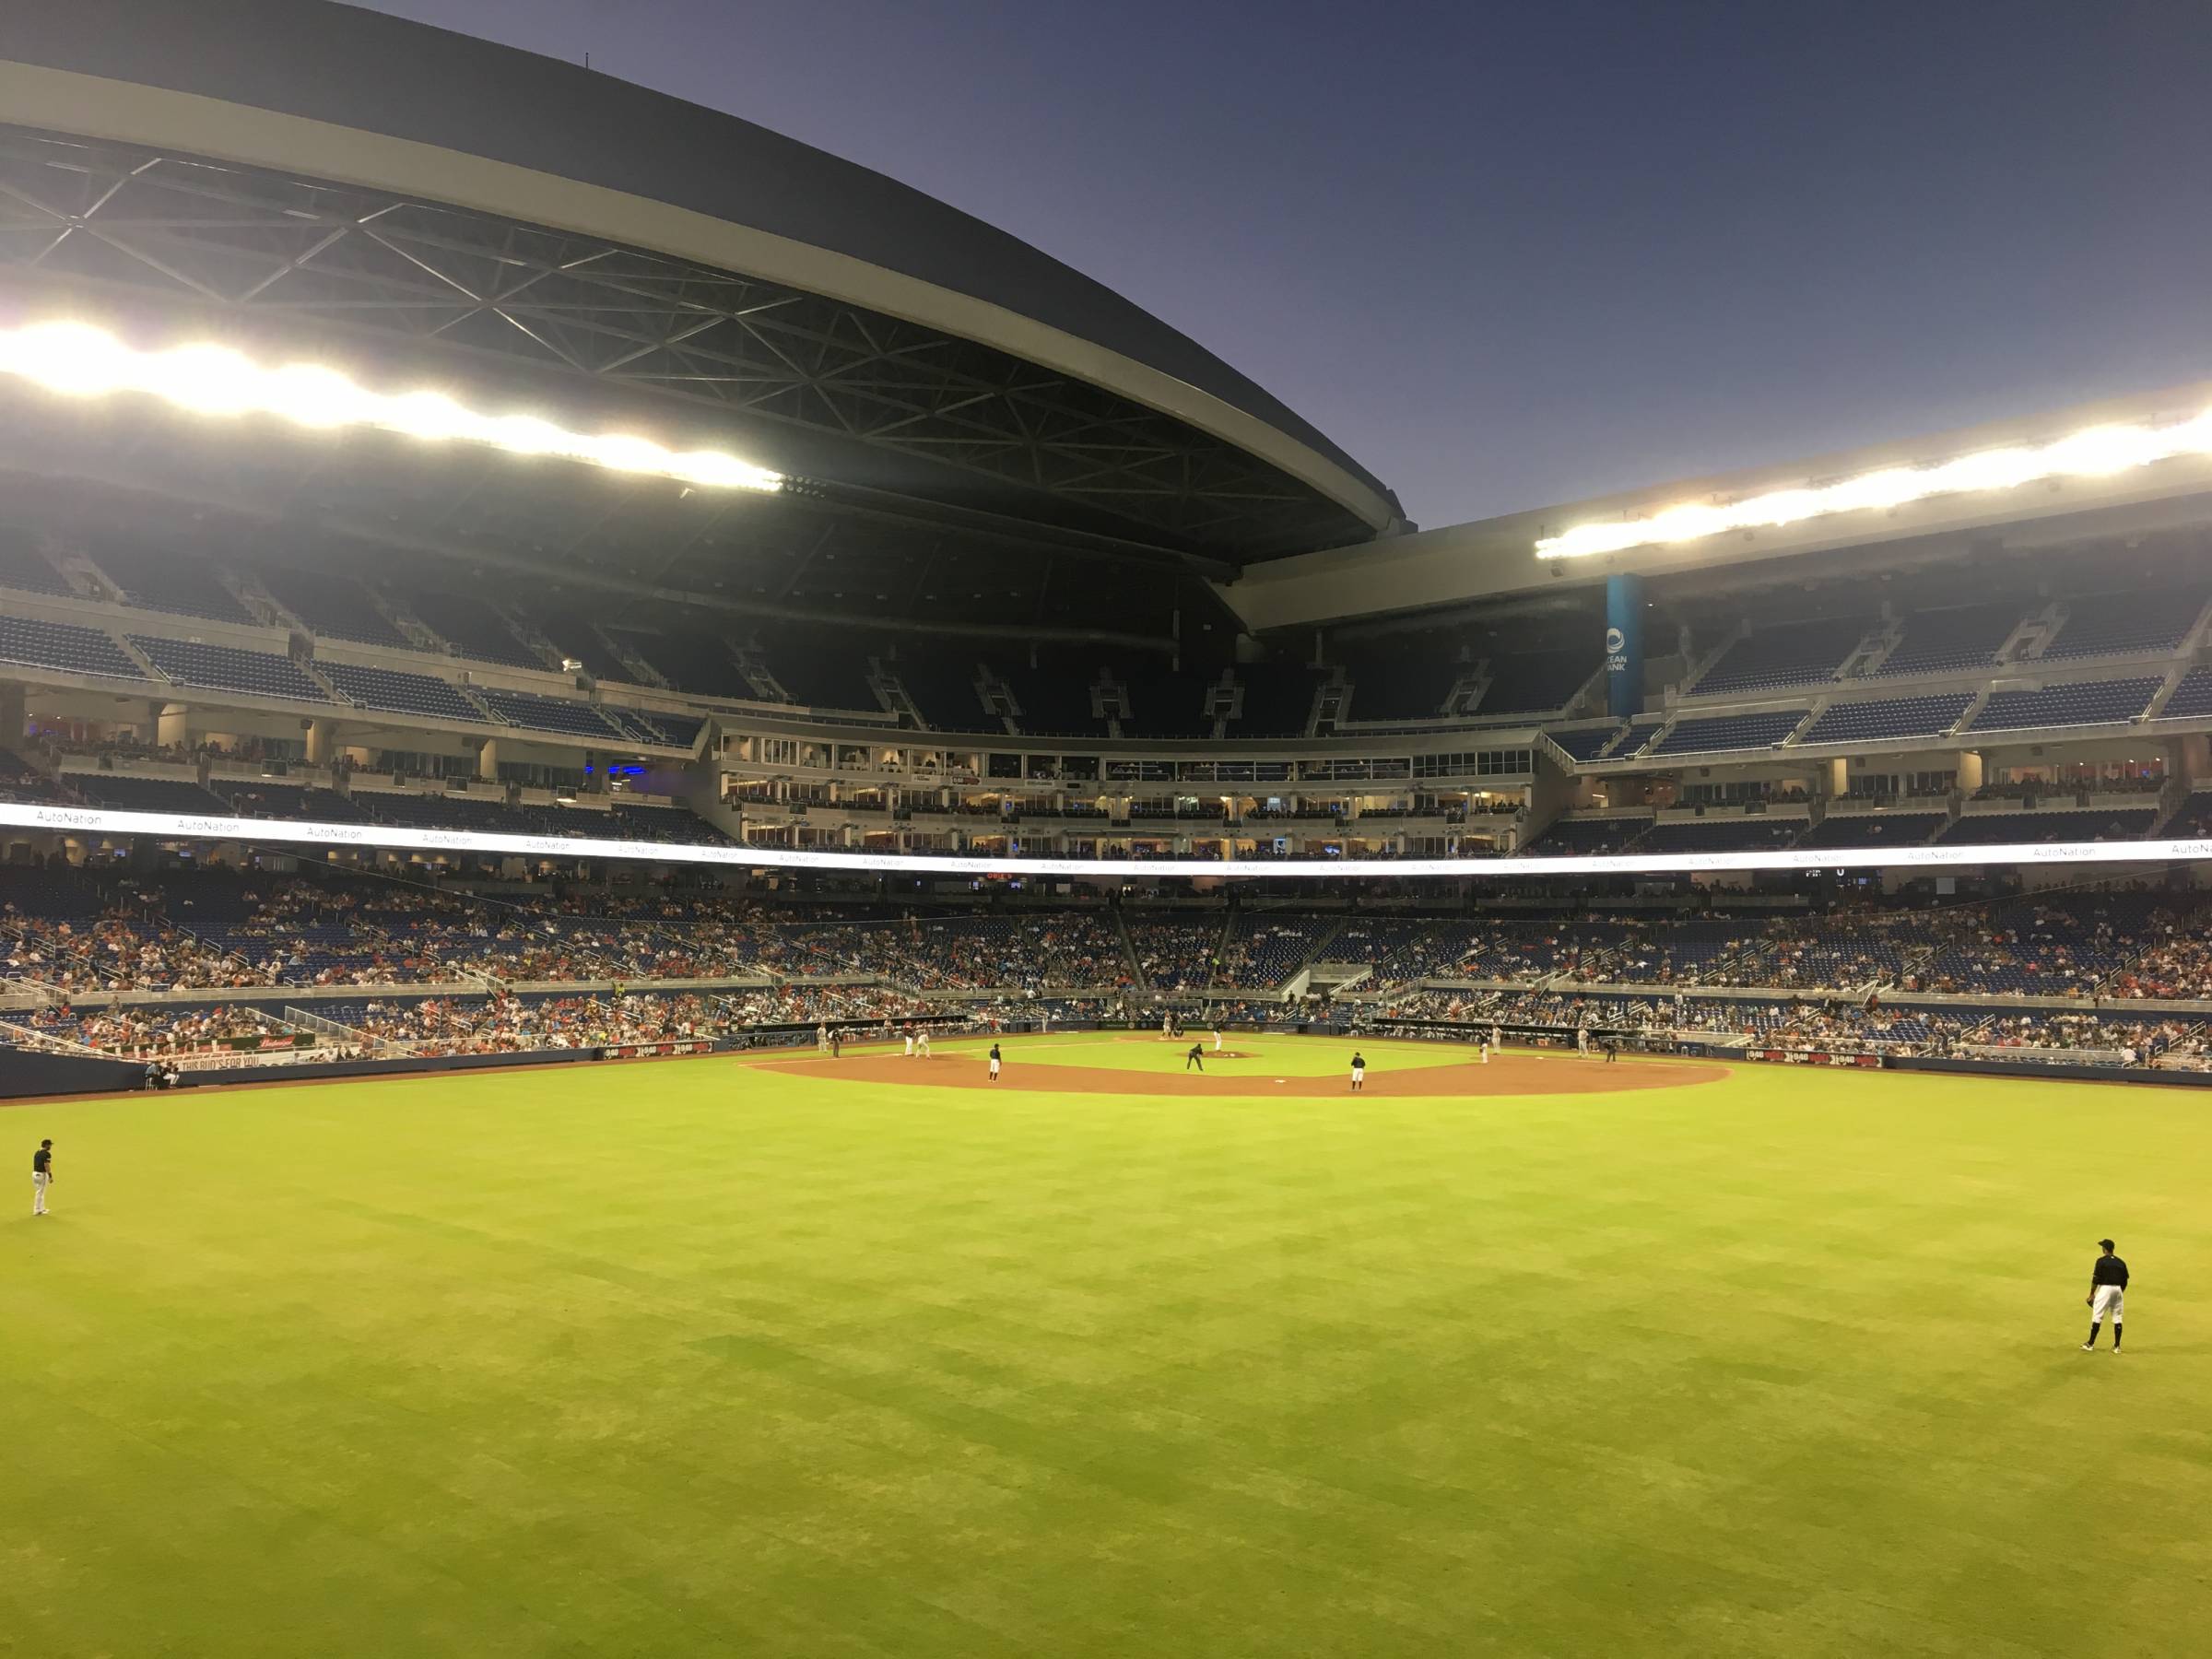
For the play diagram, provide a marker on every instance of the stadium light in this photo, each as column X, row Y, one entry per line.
column 2094, row 452
column 76, row 360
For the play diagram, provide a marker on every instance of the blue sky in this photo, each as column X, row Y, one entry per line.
column 1515, row 255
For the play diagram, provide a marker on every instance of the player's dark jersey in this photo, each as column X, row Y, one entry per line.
column 1360, row 1060
column 2109, row 1270
column 41, row 1162
column 1197, row 1051
column 995, row 1051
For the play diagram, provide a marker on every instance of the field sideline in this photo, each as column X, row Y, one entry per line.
column 701, row 1357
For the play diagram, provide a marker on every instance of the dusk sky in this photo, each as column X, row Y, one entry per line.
column 1513, row 256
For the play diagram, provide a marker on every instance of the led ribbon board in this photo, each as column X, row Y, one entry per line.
column 75, row 359
column 382, row 837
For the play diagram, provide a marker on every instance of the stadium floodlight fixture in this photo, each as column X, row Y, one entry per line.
column 78, row 360
column 2098, row 452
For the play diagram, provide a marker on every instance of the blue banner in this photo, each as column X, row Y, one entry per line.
column 1623, row 645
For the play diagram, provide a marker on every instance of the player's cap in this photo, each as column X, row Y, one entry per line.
column 2104, row 1243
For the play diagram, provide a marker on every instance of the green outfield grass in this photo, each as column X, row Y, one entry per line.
column 681, row 1358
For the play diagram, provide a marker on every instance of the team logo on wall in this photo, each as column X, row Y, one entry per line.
column 1617, row 646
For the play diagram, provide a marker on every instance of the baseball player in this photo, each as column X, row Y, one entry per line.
column 2108, row 1290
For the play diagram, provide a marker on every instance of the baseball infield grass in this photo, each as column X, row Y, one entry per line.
column 685, row 1359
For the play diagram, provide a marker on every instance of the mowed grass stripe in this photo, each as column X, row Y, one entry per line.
column 689, row 1359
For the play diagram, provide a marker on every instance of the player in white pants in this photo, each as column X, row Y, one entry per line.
column 922, row 1042
column 2108, row 1293
column 910, row 1045
column 41, row 1176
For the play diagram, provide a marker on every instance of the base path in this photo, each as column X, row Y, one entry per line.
column 1506, row 1075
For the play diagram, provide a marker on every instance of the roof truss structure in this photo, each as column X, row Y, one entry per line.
column 298, row 253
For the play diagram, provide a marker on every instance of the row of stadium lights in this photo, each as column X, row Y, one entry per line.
column 2095, row 452
column 76, row 360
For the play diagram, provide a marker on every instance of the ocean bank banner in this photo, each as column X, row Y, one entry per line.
column 1623, row 645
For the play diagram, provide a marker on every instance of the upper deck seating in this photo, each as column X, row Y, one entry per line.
column 2095, row 702
column 65, row 646
column 398, row 692
column 167, row 578
column 332, row 604
column 1399, row 680
column 1942, row 641
column 229, row 669
column 1588, row 743
column 24, row 568
column 2126, row 624
column 474, row 629
column 1783, row 657
column 699, row 664
column 1278, row 700
column 548, row 713
column 1534, row 682
column 1886, row 719
column 1722, row 732
column 1167, row 704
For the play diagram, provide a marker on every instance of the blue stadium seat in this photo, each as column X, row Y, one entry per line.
column 1722, row 732
column 65, row 646
column 398, row 692
column 2096, row 702
column 548, row 713
column 2192, row 699
column 1588, row 743
column 1942, row 641
column 334, row 606
column 190, row 663
column 2126, row 624
column 1887, row 718
column 1783, row 657
column 1839, row 831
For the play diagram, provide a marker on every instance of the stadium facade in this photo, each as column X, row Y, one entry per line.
column 432, row 461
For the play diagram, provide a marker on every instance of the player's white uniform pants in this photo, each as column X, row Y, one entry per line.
column 37, row 1192
column 2109, row 1300
column 910, row 1048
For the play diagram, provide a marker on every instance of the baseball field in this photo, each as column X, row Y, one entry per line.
column 820, row 1357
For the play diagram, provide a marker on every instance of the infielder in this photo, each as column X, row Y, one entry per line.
column 41, row 1176
column 2108, row 1290
column 1359, row 1071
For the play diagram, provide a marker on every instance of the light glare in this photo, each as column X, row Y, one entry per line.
column 2095, row 452
column 75, row 359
